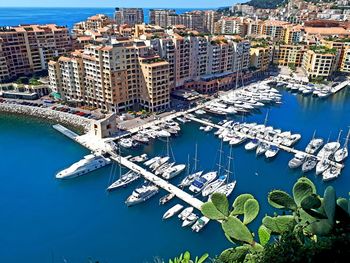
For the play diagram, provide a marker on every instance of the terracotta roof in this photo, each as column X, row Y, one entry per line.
column 326, row 31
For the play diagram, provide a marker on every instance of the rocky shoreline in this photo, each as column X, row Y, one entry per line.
column 64, row 118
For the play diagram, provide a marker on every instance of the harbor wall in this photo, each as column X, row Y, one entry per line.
column 75, row 121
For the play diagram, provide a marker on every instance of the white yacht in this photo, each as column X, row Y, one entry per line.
column 314, row 145
column 172, row 211
column 322, row 166
column 341, row 154
column 154, row 166
column 185, row 213
column 297, row 161
column 173, row 171
column 226, row 189
column 238, row 139
column 126, row 143
column 272, row 151
column 90, row 163
column 210, row 188
column 250, row 146
column 200, row 112
column 201, row 222
column 151, row 161
column 163, row 168
column 124, row 180
column 331, row 173
column 202, row 181
column 141, row 194
column 188, row 180
column 262, row 148
column 190, row 220
column 309, row 164
column 139, row 159
column 328, row 149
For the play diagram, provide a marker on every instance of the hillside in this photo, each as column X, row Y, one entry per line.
column 270, row 4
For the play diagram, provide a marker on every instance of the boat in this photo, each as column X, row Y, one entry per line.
column 172, row 211
column 173, row 171
column 262, row 148
column 163, row 133
column 124, row 180
column 165, row 199
column 190, row 220
column 140, row 138
column 238, row 139
column 90, row 163
column 141, row 194
column 341, row 154
column 297, row 161
column 151, row 161
column 163, row 168
column 226, row 189
column 189, row 179
column 210, row 188
column 185, row 213
column 158, row 163
column 272, row 151
column 314, row 145
column 201, row 222
column 331, row 173
column 322, row 166
column 126, row 143
column 309, row 164
column 182, row 120
column 139, row 159
column 200, row 112
column 199, row 183
column 208, row 128
column 328, row 149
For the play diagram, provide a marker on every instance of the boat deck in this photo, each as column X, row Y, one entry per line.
column 282, row 147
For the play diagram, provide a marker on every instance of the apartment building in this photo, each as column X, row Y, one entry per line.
column 129, row 16
column 293, row 34
column 260, row 57
column 115, row 77
column 93, row 23
column 210, row 18
column 285, row 55
column 27, row 49
column 339, row 44
column 229, row 26
column 159, row 17
column 345, row 61
column 319, row 62
column 275, row 29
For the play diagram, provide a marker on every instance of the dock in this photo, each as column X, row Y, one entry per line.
column 189, row 199
column 282, row 147
column 70, row 134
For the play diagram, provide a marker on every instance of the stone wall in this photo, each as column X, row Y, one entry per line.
column 49, row 114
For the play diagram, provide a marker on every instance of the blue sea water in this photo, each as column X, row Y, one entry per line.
column 46, row 220
column 13, row 16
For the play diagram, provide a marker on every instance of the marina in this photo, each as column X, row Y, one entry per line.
column 253, row 175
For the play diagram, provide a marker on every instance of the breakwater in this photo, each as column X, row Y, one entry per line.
column 48, row 114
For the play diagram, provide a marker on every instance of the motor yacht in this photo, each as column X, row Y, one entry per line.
column 172, row 211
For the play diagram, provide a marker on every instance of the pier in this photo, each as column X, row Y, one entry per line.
column 282, row 147
column 192, row 201
column 70, row 134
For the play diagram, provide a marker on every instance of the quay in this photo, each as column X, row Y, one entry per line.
column 70, row 134
column 283, row 147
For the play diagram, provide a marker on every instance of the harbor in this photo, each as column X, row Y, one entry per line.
column 254, row 175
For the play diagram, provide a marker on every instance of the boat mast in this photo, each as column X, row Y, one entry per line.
column 188, row 164
column 220, row 158
column 228, row 170
column 347, row 139
column 120, row 164
column 340, row 132
column 195, row 159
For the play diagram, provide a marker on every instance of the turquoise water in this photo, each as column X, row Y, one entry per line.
column 46, row 220
column 13, row 16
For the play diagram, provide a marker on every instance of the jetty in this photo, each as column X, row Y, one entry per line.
column 70, row 134
column 281, row 146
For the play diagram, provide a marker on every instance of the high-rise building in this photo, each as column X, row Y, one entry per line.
column 27, row 49
column 159, row 17
column 210, row 18
column 123, row 75
column 129, row 16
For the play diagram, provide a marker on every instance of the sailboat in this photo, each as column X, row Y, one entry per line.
column 210, row 188
column 125, row 179
column 341, row 154
column 227, row 189
column 188, row 180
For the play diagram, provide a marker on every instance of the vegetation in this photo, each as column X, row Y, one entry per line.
column 268, row 4
column 319, row 49
column 309, row 228
column 186, row 258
